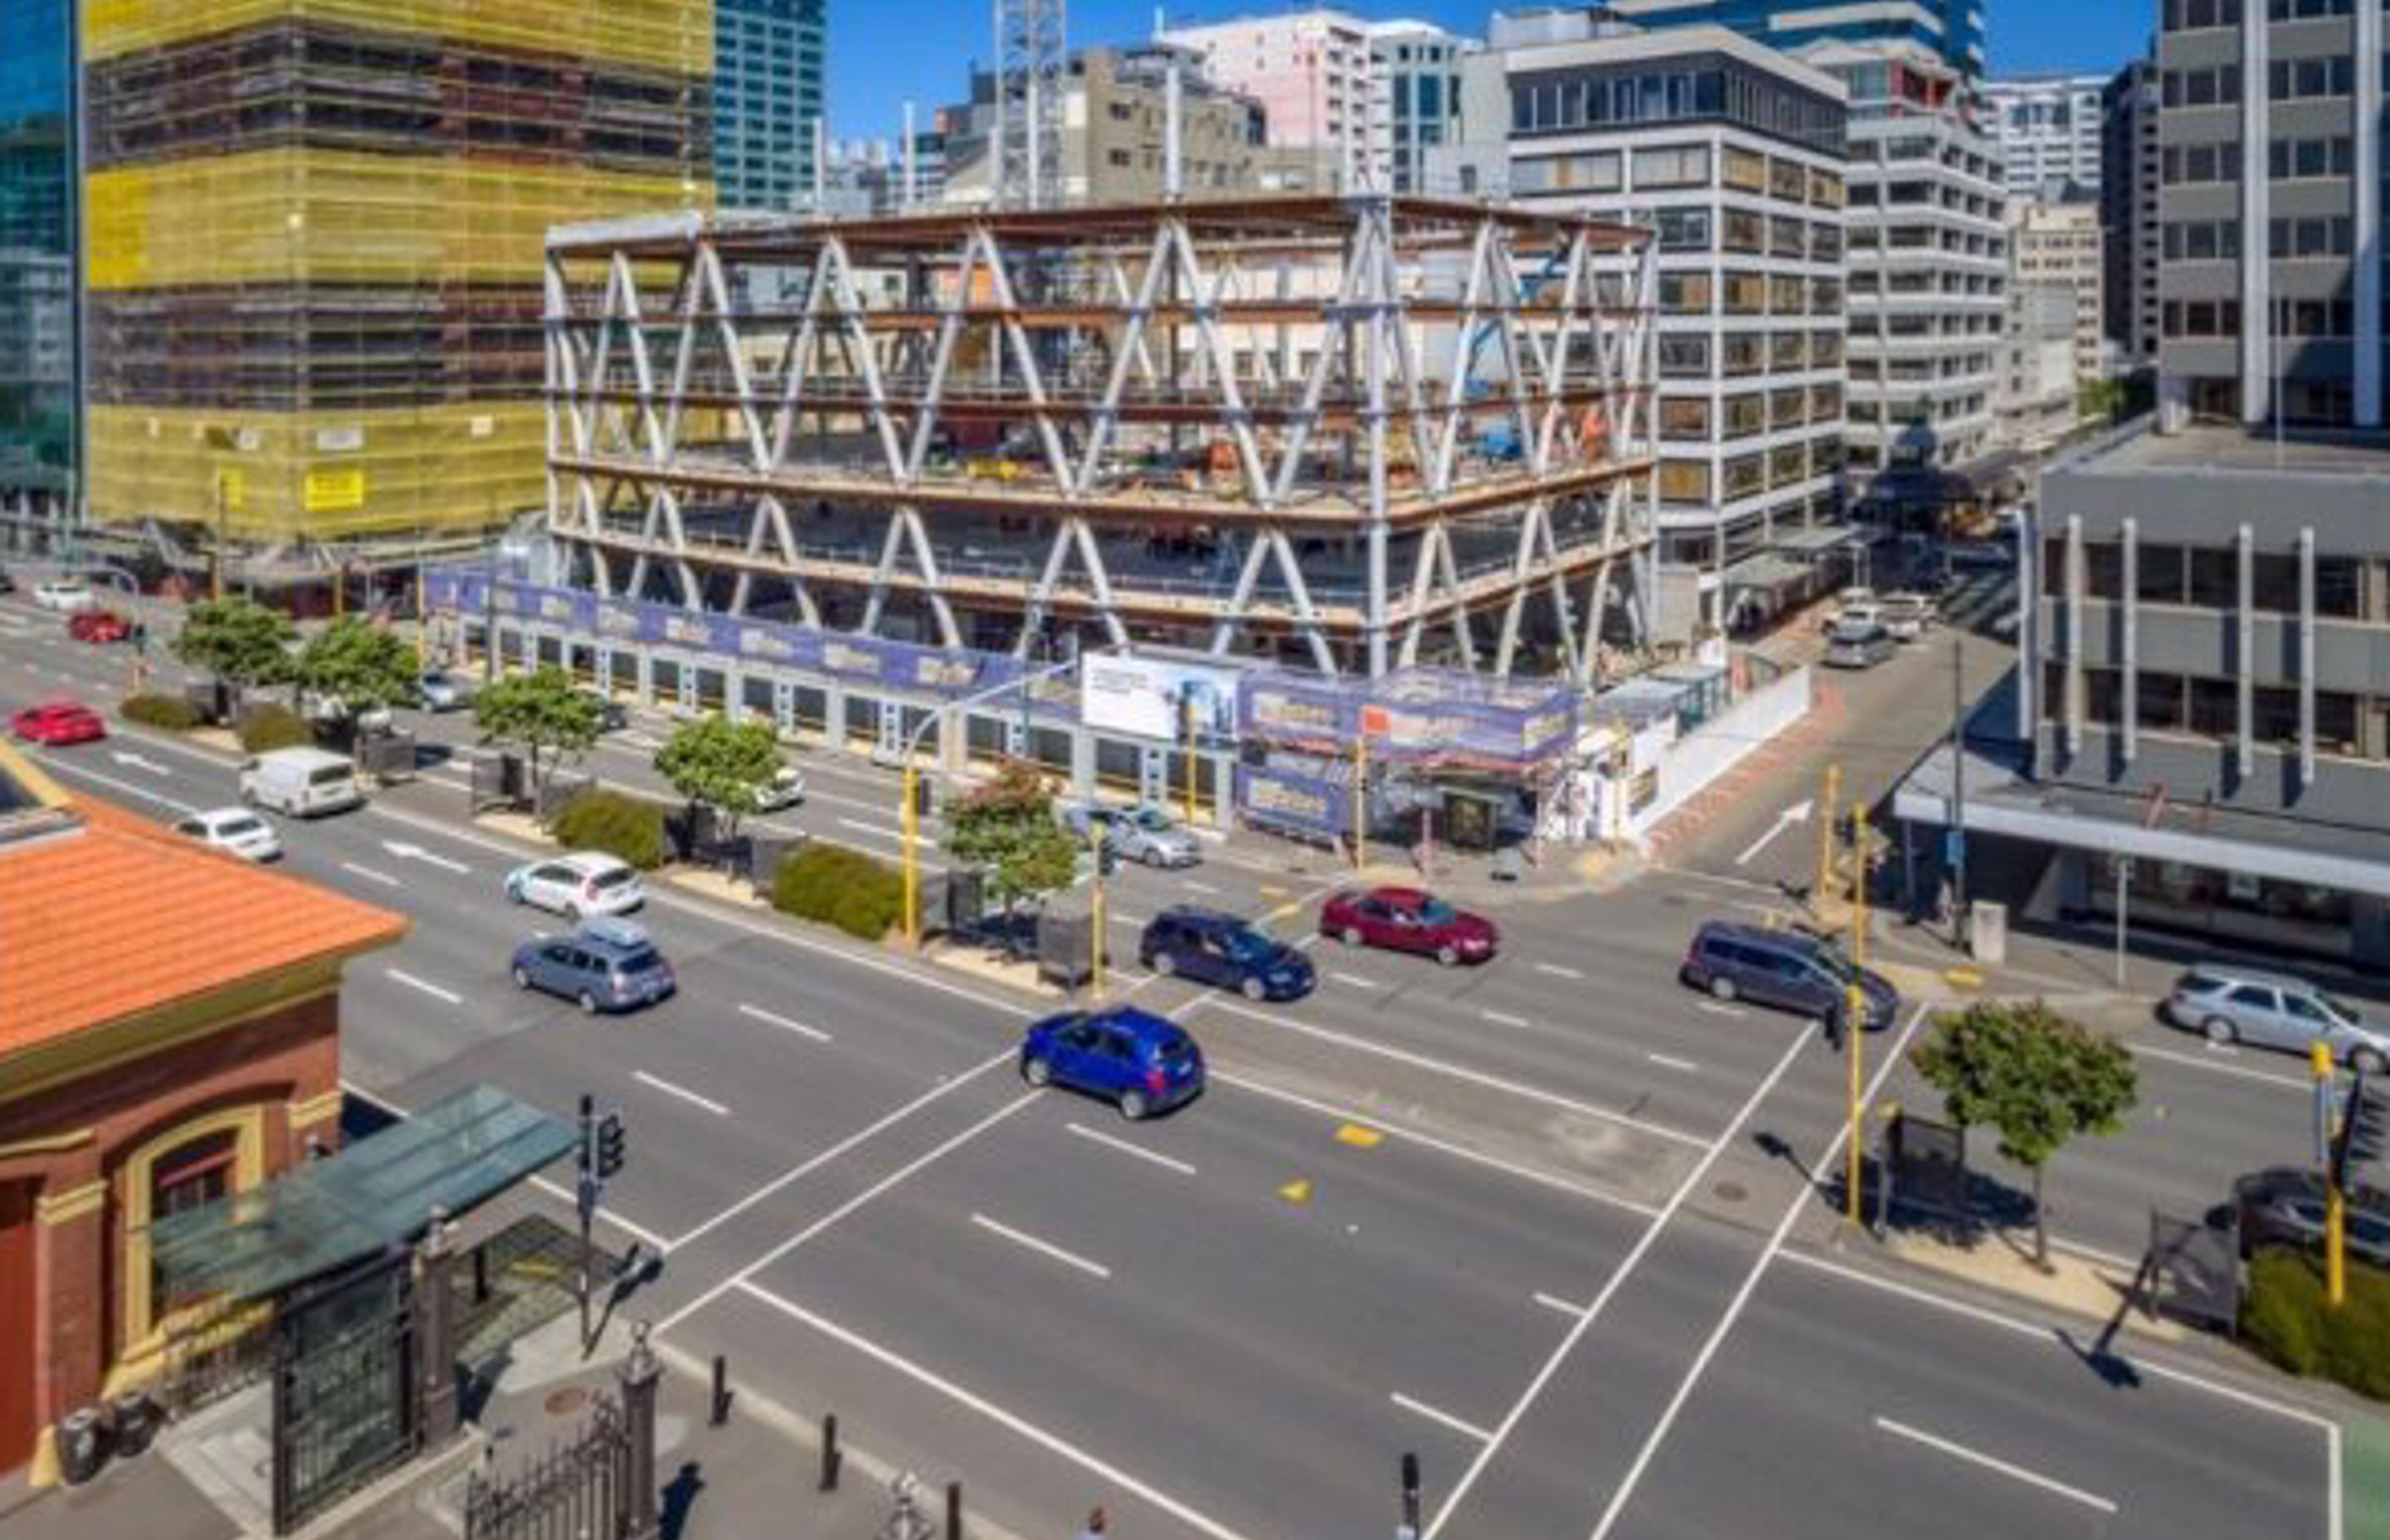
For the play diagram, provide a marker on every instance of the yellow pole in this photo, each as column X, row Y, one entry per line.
column 422, row 619
column 215, row 561
column 340, row 589
column 1360, row 800
column 1096, row 852
column 2335, row 1204
column 1826, row 832
column 1854, row 1006
column 909, row 820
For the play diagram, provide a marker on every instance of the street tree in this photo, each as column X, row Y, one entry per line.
column 713, row 762
column 352, row 667
column 240, row 642
column 544, row 714
column 2032, row 1076
column 1007, row 827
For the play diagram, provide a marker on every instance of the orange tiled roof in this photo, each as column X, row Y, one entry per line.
column 121, row 916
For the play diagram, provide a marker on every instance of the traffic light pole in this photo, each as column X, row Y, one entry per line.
column 584, row 1203
column 1855, row 1012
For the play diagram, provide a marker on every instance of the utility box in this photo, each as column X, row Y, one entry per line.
column 1987, row 933
column 1066, row 952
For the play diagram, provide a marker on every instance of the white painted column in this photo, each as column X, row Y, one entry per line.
column 2245, row 661
column 2368, row 187
column 1172, row 165
column 2257, row 215
column 2128, row 693
column 2306, row 654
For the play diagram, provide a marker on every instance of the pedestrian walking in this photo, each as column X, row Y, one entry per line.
column 1097, row 1528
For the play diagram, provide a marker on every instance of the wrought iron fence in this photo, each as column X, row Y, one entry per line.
column 579, row 1490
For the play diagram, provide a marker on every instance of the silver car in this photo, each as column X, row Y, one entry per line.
column 2229, row 1003
column 1143, row 834
column 1859, row 644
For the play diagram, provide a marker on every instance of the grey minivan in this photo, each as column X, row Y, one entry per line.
column 604, row 964
column 1790, row 970
column 2228, row 1003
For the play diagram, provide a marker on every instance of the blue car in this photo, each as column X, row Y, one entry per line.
column 1211, row 947
column 1133, row 1059
column 604, row 964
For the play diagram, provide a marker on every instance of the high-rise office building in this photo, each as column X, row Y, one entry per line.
column 2129, row 163
column 37, row 312
column 2048, row 128
column 1951, row 31
column 767, row 100
column 314, row 243
column 1414, row 99
column 2270, row 152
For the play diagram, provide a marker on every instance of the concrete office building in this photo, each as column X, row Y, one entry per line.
column 2271, row 148
column 768, row 105
column 2036, row 395
column 1735, row 154
column 1951, row 31
column 39, row 335
column 2048, row 128
column 1414, row 101
column 1309, row 70
column 2058, row 245
column 2129, row 165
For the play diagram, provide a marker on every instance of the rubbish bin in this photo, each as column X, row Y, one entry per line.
column 82, row 1446
column 135, row 1423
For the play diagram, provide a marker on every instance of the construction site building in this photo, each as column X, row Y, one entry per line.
column 314, row 243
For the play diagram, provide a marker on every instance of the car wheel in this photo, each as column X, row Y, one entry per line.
column 1154, row 858
column 1165, row 964
column 1037, row 1071
column 1133, row 1105
column 587, row 1002
column 1447, row 954
column 1722, row 988
column 2219, row 1032
column 1351, row 936
column 522, row 978
column 1252, row 989
column 2370, row 1060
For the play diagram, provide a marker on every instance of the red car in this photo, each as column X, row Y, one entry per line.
column 1405, row 919
column 58, row 722
column 98, row 625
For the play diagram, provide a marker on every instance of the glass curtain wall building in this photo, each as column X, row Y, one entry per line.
column 1953, row 29
column 37, row 220
column 767, row 100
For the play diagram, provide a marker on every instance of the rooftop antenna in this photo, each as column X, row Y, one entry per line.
column 1030, row 78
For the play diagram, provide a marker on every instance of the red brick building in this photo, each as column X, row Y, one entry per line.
column 169, row 1033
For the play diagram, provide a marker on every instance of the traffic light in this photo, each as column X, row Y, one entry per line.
column 610, row 1136
column 1107, row 858
column 2364, row 1131
column 586, row 1157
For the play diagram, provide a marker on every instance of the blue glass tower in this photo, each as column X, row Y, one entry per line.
column 1949, row 28
column 37, row 220
column 767, row 100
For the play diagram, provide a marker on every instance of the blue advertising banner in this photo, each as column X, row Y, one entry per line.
column 1418, row 714
column 1288, row 800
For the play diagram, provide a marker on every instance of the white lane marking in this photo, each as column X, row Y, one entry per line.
column 69, row 767
column 1553, row 1302
column 1559, row 971
column 370, row 874
column 1456, row 1072
column 805, row 1235
column 1992, row 1462
column 1796, row 813
column 684, row 1093
column 1354, row 979
column 1110, row 1141
column 405, row 852
column 1617, row 1280
column 1103, row 1471
column 1716, row 1009
column 2197, row 1061
column 138, row 763
column 1504, row 1018
column 1725, row 1323
column 1670, row 1061
column 1432, row 1415
column 1044, row 1248
column 1117, row 917
column 757, row 1013
column 805, row 1168
column 878, row 831
column 411, row 982
column 1194, row 887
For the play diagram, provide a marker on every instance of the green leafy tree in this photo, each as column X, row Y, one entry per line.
column 1007, row 827
column 2034, row 1078
column 544, row 714
column 238, row 641
column 725, row 765
column 354, row 666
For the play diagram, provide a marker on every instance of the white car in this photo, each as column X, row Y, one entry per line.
column 787, row 789
column 65, row 595
column 329, row 710
column 235, row 829
column 585, row 882
column 1907, row 616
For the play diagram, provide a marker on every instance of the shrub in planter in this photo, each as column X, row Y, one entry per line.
column 835, row 886
column 169, row 712
column 625, row 827
column 265, row 727
column 2286, row 1320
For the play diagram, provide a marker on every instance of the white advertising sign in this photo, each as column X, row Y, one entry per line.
column 1156, row 697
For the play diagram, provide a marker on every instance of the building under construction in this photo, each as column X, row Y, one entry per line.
column 313, row 236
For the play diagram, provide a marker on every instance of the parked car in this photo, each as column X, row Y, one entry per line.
column 1138, row 1061
column 302, row 783
column 58, row 722
column 1907, row 615
column 102, row 626
column 235, row 829
column 1213, row 947
column 442, row 691
column 611, row 717
column 1982, row 555
column 2229, row 1004
column 1859, row 644
column 2284, row 1206
column 583, row 882
column 1790, row 970
column 787, row 789
column 331, row 711
column 603, row 964
column 1142, row 834
column 1408, row 919
column 67, row 595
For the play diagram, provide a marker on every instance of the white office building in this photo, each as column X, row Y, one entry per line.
column 2048, row 127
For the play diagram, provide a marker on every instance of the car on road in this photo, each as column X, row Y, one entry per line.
column 1790, row 970
column 1907, row 615
column 582, row 882
column 1409, row 919
column 1852, row 643
column 2284, row 1206
column 606, row 964
column 101, row 626
column 2228, row 1003
column 235, row 829
column 302, row 783
column 331, row 712
column 1140, row 1062
column 66, row 595
column 1146, row 835
column 787, row 789
column 1212, row 946
column 57, row 723
column 442, row 691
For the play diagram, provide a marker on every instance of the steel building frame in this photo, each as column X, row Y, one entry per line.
column 1377, row 371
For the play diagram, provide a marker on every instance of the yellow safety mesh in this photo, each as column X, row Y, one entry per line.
column 669, row 34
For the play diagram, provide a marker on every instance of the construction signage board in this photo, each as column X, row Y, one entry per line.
column 335, row 491
column 1157, row 698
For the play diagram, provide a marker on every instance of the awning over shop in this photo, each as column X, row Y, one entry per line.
column 376, row 1194
column 1766, row 574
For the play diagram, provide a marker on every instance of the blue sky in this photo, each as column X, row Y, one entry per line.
column 882, row 51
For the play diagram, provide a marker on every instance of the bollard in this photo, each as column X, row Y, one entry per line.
column 721, row 1413
column 830, row 1459
column 480, row 1276
column 954, row 1510
column 1410, row 1526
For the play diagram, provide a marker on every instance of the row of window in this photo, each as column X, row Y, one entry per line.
column 2202, row 240
column 1688, row 481
column 2196, row 706
column 1691, row 419
column 1740, row 355
column 2208, row 577
column 1722, row 89
column 2185, row 166
column 1749, row 294
column 2185, row 15
column 2291, row 160
column 2332, row 235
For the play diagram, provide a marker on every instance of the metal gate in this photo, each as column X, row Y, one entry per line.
column 344, row 1408
column 581, row 1491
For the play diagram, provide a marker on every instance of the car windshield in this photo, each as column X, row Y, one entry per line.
column 1247, row 944
column 1149, row 818
column 1435, row 911
column 1831, row 958
column 1176, row 1050
column 2340, row 1009
column 234, row 828
column 637, row 961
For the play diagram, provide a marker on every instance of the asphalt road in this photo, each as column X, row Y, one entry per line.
column 1551, row 1222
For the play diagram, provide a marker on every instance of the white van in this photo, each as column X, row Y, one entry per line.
column 300, row 782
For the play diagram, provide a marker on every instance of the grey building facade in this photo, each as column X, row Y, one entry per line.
column 769, row 57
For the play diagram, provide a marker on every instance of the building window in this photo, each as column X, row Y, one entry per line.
column 1685, row 418
column 1672, row 166
column 1685, row 357
column 1744, row 170
column 187, row 1177
column 1685, row 293
column 1684, row 482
